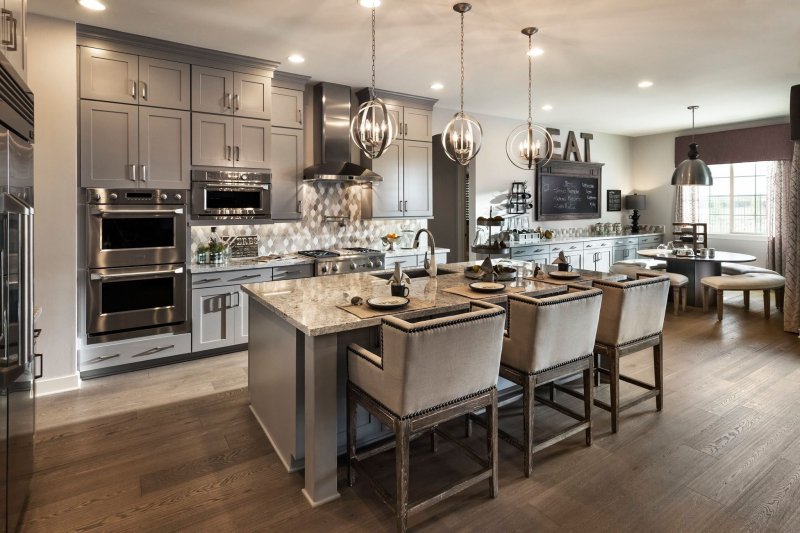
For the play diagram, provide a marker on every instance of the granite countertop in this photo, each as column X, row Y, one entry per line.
column 310, row 304
column 514, row 244
column 402, row 252
column 245, row 264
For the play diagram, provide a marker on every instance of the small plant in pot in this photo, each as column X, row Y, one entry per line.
column 202, row 254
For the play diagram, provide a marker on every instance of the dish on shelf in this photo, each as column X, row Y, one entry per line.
column 558, row 274
column 387, row 302
column 485, row 286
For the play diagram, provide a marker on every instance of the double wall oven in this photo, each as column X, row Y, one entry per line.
column 137, row 284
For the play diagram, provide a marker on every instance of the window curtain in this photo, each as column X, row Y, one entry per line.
column 784, row 234
column 687, row 204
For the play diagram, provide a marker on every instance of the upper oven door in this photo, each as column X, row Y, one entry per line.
column 135, row 235
column 230, row 200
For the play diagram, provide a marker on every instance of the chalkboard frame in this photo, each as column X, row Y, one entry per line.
column 614, row 200
column 569, row 169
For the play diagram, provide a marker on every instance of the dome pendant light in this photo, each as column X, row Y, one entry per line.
column 463, row 134
column 529, row 145
column 372, row 129
column 692, row 171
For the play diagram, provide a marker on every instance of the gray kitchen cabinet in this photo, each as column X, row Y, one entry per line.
column 387, row 201
column 241, row 321
column 214, row 311
column 14, row 35
column 230, row 93
column 164, row 141
column 417, row 124
column 396, row 116
column 417, row 179
column 109, row 145
column 287, row 108
column 287, row 173
column 292, row 272
column 597, row 259
column 650, row 241
column 624, row 253
column 109, row 76
column 573, row 252
column 212, row 140
column 251, row 143
column 164, row 83
column 539, row 253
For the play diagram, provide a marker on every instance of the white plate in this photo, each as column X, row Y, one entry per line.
column 558, row 274
column 485, row 286
column 387, row 302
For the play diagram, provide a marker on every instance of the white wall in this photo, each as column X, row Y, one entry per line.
column 494, row 172
column 52, row 75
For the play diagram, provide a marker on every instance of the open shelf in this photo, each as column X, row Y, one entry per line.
column 698, row 233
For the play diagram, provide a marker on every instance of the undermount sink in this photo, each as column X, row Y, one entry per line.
column 412, row 273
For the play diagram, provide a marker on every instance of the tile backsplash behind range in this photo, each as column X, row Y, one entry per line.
column 320, row 200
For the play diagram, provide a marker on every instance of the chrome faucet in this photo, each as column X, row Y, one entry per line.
column 430, row 262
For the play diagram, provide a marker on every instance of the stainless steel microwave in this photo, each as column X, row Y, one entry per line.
column 228, row 194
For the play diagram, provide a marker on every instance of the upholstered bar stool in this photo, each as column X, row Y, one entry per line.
column 427, row 373
column 631, row 320
column 678, row 283
column 549, row 339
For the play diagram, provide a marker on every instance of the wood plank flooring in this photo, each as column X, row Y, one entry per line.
column 177, row 449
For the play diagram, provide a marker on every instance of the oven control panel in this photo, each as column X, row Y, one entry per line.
column 136, row 196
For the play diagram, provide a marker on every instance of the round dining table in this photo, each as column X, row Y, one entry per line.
column 696, row 268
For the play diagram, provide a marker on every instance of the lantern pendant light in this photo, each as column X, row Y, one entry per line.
column 529, row 145
column 372, row 129
column 463, row 135
column 692, row 171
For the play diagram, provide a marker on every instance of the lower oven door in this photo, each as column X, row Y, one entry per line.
column 133, row 302
column 230, row 200
column 121, row 236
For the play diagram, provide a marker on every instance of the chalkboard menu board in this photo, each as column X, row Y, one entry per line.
column 568, row 190
column 613, row 200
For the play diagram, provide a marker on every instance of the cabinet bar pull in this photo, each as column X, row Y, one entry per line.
column 236, row 102
column 238, row 301
column 207, row 280
column 12, row 47
column 283, row 274
column 399, row 205
column 227, row 100
column 133, row 89
column 237, row 153
column 300, row 116
column 250, row 276
column 6, row 14
column 228, row 152
column 102, row 358
column 132, row 172
column 405, row 205
column 144, row 172
column 299, row 206
column 152, row 351
column 38, row 371
column 144, row 90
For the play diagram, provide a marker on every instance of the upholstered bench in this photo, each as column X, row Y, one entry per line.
column 735, row 269
column 745, row 283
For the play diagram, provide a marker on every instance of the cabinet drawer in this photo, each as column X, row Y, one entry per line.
column 652, row 239
column 405, row 261
column 598, row 245
column 231, row 277
column 292, row 272
column 521, row 252
column 626, row 241
column 566, row 247
column 133, row 351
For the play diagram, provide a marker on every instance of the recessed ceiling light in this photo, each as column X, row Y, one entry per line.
column 535, row 52
column 296, row 58
column 436, row 86
column 547, row 107
column 94, row 5
column 369, row 3
column 645, row 84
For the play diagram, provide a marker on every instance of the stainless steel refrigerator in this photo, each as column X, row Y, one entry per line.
column 17, row 360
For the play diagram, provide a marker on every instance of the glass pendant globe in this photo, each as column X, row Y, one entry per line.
column 529, row 145
column 372, row 129
column 462, row 138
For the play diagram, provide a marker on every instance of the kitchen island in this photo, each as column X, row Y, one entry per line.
column 297, row 366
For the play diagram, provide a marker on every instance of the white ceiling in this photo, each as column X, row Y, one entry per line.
column 734, row 58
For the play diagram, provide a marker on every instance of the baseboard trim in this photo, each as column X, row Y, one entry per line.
column 45, row 387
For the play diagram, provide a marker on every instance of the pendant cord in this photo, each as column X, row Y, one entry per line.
column 530, row 75
column 462, row 63
column 372, row 90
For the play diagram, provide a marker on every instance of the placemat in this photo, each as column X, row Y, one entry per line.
column 466, row 292
column 364, row 311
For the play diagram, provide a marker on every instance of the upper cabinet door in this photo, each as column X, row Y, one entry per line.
column 163, row 83
column 287, row 173
column 212, row 90
column 109, row 76
column 387, row 199
column 417, row 183
column 164, row 148
column 109, row 145
column 396, row 115
column 252, row 96
column 287, row 108
column 417, row 124
column 14, row 21
column 212, row 140
column 251, row 140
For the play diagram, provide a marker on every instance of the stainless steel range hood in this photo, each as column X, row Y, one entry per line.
column 332, row 139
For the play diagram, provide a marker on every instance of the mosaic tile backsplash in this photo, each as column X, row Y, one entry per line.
column 317, row 230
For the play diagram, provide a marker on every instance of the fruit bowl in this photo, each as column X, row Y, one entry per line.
column 389, row 240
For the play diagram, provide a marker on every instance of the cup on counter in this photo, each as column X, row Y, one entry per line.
column 400, row 290
column 564, row 267
column 711, row 252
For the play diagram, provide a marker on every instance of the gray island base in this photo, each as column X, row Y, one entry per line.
column 297, row 362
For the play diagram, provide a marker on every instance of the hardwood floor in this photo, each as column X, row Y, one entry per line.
column 176, row 448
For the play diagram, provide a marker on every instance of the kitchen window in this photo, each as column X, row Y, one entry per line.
column 737, row 203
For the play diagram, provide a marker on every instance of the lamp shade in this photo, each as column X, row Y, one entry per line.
column 692, row 171
column 635, row 201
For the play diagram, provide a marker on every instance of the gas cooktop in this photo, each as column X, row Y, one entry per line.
column 343, row 260
column 318, row 253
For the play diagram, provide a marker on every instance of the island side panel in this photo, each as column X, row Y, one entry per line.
column 275, row 374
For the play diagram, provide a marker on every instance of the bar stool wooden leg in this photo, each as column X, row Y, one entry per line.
column 613, row 364
column 527, row 424
column 746, row 297
column 596, row 366
column 766, row 303
column 402, row 434
column 588, row 401
column 676, row 300
column 658, row 366
column 492, row 446
column 434, row 447
column 684, row 295
column 705, row 298
column 779, row 298
column 719, row 303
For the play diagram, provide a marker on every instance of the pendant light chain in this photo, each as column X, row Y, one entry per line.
column 372, row 89
column 530, row 75
column 462, row 63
